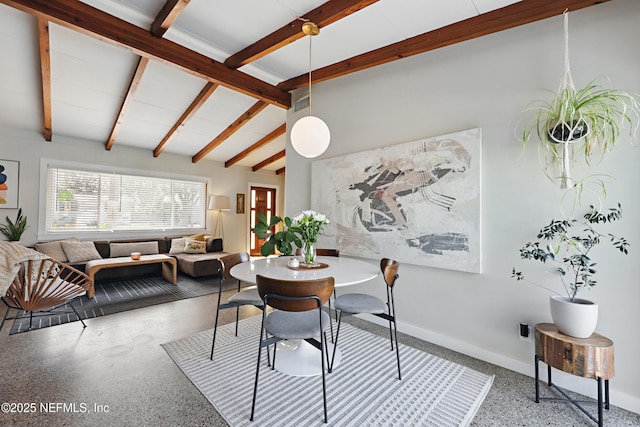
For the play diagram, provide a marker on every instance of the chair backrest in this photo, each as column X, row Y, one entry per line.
column 44, row 284
column 280, row 290
column 322, row 252
column 228, row 261
column 389, row 270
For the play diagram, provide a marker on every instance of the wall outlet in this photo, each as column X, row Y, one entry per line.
column 525, row 331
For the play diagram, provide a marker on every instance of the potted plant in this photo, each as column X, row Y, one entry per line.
column 571, row 253
column 582, row 123
column 14, row 230
column 585, row 122
column 281, row 240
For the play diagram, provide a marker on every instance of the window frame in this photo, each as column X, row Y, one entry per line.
column 44, row 235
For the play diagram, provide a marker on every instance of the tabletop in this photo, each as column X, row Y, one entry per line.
column 345, row 271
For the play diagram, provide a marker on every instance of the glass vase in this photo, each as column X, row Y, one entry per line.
column 309, row 252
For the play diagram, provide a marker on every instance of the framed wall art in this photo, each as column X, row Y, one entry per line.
column 9, row 184
column 240, row 203
column 417, row 202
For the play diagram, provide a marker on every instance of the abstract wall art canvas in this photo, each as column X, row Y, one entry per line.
column 9, row 180
column 417, row 202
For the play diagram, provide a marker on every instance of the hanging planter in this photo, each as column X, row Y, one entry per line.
column 582, row 124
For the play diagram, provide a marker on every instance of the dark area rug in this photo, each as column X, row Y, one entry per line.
column 122, row 295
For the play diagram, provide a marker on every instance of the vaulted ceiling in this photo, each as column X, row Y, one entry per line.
column 210, row 79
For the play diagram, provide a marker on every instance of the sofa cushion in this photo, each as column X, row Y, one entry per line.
column 125, row 249
column 198, row 265
column 54, row 249
column 195, row 247
column 80, row 251
column 214, row 244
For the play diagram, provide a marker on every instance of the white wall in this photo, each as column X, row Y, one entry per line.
column 29, row 148
column 486, row 83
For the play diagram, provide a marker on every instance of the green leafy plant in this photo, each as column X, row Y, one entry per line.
column 14, row 230
column 281, row 240
column 592, row 118
column 571, row 252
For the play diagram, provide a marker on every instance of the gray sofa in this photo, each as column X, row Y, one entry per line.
column 192, row 264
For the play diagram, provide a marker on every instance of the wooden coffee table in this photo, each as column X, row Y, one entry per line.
column 169, row 267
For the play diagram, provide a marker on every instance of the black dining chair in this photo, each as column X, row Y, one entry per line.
column 248, row 296
column 298, row 314
column 355, row 303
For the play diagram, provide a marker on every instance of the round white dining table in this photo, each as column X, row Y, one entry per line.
column 297, row 357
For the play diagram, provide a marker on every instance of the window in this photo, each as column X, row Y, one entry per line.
column 82, row 200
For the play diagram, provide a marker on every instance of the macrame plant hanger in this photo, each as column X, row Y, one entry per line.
column 570, row 126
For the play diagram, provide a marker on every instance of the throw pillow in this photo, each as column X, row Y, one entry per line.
column 177, row 245
column 125, row 249
column 198, row 237
column 195, row 247
column 54, row 249
column 80, row 251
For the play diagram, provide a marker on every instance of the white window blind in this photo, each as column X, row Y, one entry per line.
column 80, row 200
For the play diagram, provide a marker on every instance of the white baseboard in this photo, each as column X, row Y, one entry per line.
column 561, row 379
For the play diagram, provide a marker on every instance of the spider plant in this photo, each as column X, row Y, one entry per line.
column 591, row 117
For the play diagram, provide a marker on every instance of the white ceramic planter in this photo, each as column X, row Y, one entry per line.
column 577, row 319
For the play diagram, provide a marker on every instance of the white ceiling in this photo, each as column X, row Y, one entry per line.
column 89, row 78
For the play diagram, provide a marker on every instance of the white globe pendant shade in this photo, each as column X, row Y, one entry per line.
column 310, row 136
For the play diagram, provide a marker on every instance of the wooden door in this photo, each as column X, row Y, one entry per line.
column 263, row 200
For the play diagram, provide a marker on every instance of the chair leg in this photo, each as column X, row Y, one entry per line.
column 266, row 336
column 323, row 339
column 390, row 329
column 335, row 343
column 395, row 334
column 275, row 347
column 330, row 318
column 255, row 384
column 215, row 327
column 79, row 318
column 237, row 318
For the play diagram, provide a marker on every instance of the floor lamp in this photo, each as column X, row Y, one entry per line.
column 219, row 203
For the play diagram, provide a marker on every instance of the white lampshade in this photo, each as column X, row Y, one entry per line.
column 219, row 203
column 310, row 136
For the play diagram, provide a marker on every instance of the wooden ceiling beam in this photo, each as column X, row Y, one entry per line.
column 230, row 130
column 198, row 101
column 280, row 130
column 281, row 171
column 88, row 20
column 323, row 15
column 514, row 15
column 167, row 16
column 45, row 70
column 133, row 86
column 270, row 160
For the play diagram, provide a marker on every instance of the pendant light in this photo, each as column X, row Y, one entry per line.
column 310, row 135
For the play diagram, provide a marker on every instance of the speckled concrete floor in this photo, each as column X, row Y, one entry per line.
column 115, row 373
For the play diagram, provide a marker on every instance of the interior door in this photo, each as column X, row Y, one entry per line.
column 263, row 200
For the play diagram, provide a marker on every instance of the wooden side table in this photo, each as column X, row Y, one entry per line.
column 585, row 357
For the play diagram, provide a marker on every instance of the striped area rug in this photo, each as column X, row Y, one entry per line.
column 362, row 391
column 122, row 295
